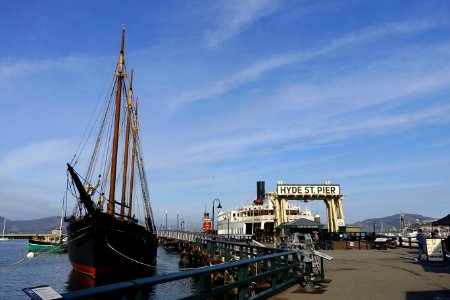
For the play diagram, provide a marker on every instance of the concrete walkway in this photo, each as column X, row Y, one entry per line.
column 378, row 274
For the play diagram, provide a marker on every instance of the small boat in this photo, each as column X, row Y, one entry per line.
column 2, row 238
column 108, row 242
column 36, row 245
column 55, row 242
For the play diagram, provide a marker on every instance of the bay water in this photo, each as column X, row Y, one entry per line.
column 54, row 269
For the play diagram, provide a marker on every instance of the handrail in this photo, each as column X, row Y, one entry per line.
column 193, row 237
column 283, row 264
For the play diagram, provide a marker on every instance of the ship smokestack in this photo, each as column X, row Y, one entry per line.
column 317, row 218
column 206, row 221
column 260, row 192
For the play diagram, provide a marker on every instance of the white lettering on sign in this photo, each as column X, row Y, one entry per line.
column 435, row 250
column 340, row 222
column 310, row 190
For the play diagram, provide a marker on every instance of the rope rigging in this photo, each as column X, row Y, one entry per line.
column 94, row 156
column 100, row 162
column 90, row 124
column 127, row 257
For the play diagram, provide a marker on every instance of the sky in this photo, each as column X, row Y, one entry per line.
column 231, row 93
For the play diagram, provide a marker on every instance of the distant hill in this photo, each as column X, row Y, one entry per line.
column 386, row 224
column 45, row 225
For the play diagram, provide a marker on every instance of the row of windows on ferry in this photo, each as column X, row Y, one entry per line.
column 252, row 213
column 236, row 230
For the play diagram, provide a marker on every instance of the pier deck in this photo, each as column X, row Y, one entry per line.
column 378, row 274
column 25, row 236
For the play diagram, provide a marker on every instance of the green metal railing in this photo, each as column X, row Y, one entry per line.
column 277, row 271
column 229, row 250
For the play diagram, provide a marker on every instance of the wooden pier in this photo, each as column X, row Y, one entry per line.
column 242, row 271
column 25, row 236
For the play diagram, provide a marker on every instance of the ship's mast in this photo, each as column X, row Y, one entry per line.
column 119, row 75
column 129, row 108
column 133, row 159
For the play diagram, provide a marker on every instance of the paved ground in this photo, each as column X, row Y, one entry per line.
column 378, row 274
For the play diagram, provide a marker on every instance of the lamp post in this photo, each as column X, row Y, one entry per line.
column 228, row 218
column 218, row 206
column 178, row 217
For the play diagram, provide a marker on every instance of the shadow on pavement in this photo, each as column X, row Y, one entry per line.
column 428, row 295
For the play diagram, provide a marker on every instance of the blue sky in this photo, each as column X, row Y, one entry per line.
column 232, row 92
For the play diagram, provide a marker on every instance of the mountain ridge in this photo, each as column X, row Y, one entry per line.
column 392, row 223
column 46, row 225
column 42, row 225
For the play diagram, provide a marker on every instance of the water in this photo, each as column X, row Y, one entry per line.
column 54, row 269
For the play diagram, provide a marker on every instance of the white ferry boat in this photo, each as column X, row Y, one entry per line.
column 257, row 219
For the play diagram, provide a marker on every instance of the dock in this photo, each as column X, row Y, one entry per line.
column 378, row 274
column 26, row 236
column 281, row 274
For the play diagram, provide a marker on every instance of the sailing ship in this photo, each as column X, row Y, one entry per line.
column 104, row 242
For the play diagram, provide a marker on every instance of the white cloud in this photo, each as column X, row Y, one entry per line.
column 360, row 90
column 235, row 16
column 12, row 69
column 260, row 68
column 384, row 30
column 34, row 155
column 356, row 105
column 223, row 85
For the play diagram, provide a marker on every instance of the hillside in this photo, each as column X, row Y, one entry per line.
column 45, row 225
column 391, row 222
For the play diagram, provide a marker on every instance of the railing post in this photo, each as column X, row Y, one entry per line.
column 220, row 248
column 242, row 275
column 204, row 284
column 274, row 277
column 208, row 247
column 227, row 252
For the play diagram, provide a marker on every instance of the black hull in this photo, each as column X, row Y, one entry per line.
column 101, row 245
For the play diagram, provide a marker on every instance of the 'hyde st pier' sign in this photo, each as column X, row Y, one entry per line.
column 308, row 190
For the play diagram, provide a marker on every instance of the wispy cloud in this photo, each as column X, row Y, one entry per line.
column 358, row 104
column 251, row 143
column 221, row 86
column 396, row 122
column 384, row 30
column 376, row 188
column 361, row 89
column 33, row 155
column 12, row 69
column 235, row 16
column 9, row 70
column 70, row 64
